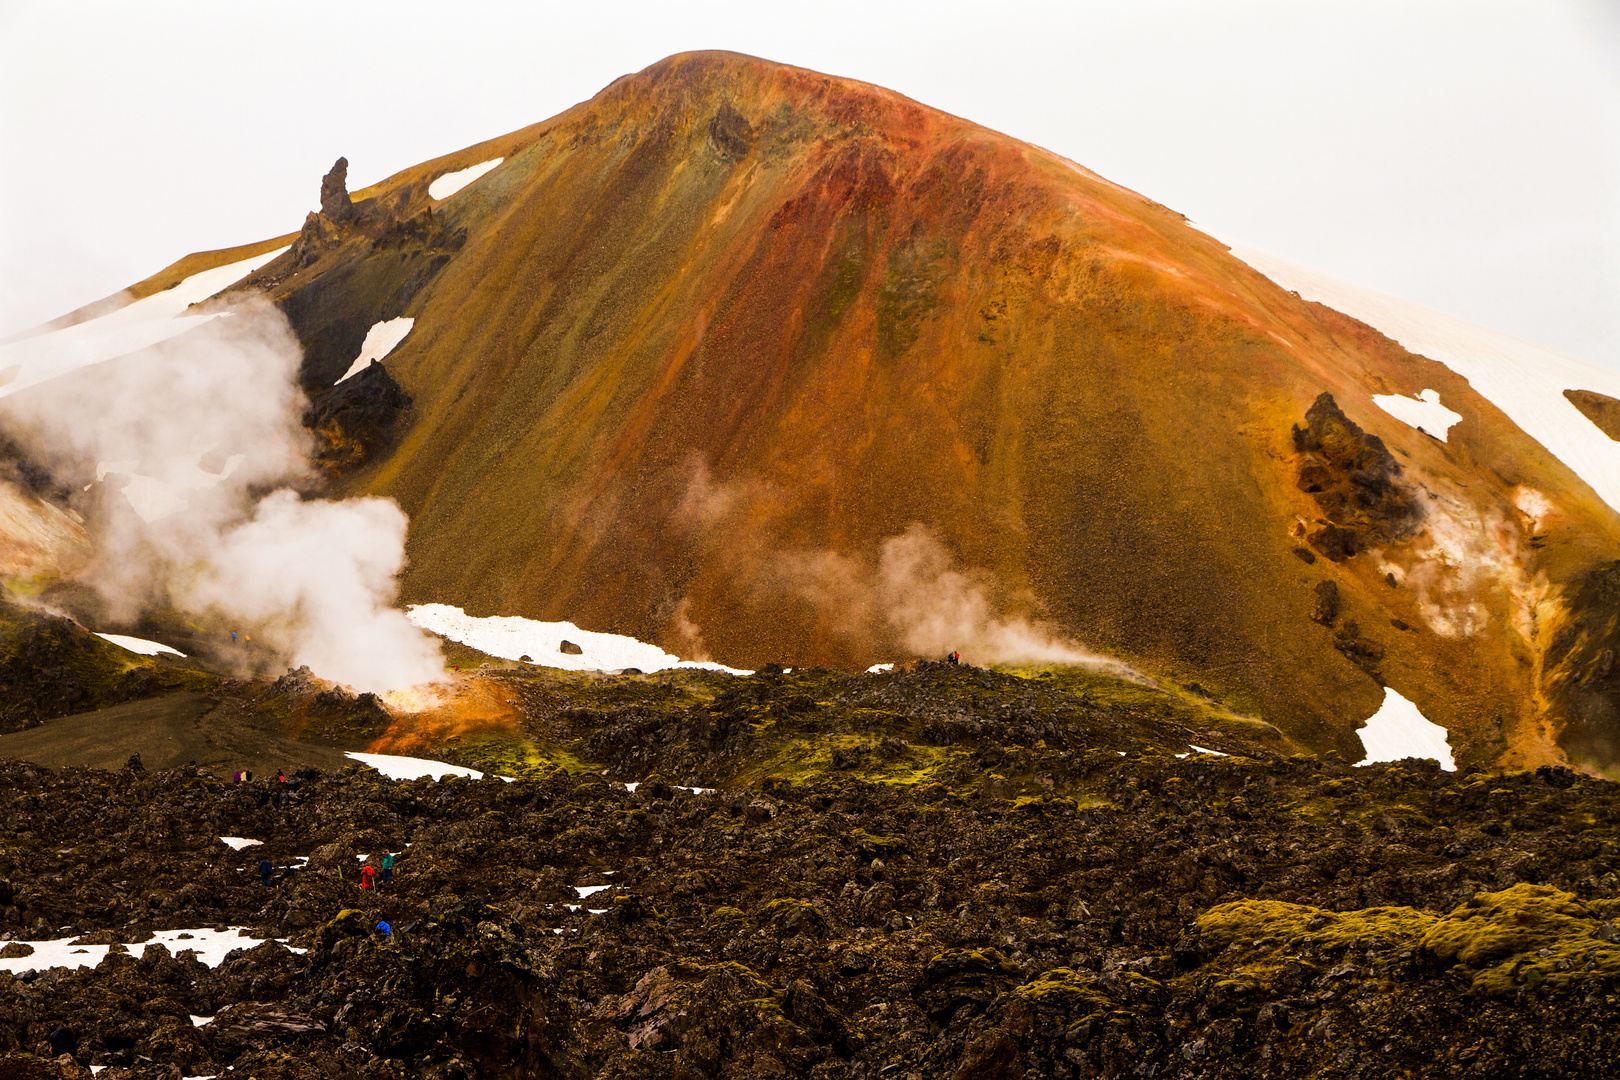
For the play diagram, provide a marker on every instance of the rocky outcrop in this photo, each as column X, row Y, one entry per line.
column 1355, row 481
column 730, row 134
column 1601, row 409
column 335, row 203
column 323, row 231
column 356, row 419
column 1582, row 679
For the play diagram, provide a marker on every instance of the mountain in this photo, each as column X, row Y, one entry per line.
column 761, row 364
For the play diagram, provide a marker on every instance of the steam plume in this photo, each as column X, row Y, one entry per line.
column 187, row 438
column 915, row 592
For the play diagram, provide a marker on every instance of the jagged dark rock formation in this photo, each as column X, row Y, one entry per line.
column 357, row 418
column 335, row 203
column 1354, row 480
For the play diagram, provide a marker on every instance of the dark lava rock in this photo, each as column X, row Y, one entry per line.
column 258, row 1025
column 1355, row 481
column 1073, row 913
column 356, row 419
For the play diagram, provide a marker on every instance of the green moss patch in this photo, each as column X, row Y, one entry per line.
column 1521, row 938
column 1525, row 937
column 1079, row 993
column 1258, row 923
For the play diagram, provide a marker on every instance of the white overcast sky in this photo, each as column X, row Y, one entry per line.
column 1464, row 155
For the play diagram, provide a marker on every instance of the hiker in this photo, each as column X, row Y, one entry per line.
column 385, row 930
column 367, row 873
column 233, row 635
column 388, row 867
column 236, row 777
column 247, row 775
column 264, row 870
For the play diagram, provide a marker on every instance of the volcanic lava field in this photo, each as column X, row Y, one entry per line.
column 495, row 630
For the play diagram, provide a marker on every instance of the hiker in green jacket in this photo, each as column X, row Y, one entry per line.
column 388, row 867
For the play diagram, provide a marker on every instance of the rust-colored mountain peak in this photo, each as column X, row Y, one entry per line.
column 770, row 365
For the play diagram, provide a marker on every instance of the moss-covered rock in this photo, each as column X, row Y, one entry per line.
column 1524, row 937
column 1078, row 993
column 1259, row 924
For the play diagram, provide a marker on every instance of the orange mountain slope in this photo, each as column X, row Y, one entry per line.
column 744, row 359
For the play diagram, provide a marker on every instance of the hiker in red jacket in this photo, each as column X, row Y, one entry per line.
column 367, row 873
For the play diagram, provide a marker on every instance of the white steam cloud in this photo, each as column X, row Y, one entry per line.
column 318, row 578
column 915, row 593
column 199, row 443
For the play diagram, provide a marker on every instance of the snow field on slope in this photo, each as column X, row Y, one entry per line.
column 1398, row 730
column 511, row 637
column 450, row 183
column 1527, row 382
column 134, row 326
column 211, row 947
column 381, row 339
column 139, row 645
column 1423, row 412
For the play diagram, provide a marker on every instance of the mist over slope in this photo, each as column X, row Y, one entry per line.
column 760, row 364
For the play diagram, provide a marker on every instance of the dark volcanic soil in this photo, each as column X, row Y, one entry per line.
column 1096, row 915
column 166, row 732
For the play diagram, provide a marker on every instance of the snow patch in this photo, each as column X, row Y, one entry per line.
column 381, row 340
column 587, row 891
column 450, row 183
column 142, row 646
column 1527, row 382
column 1398, row 730
column 877, row 668
column 211, row 947
column 1423, row 412
column 134, row 326
column 511, row 637
column 237, row 843
column 200, row 1021
column 412, row 768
